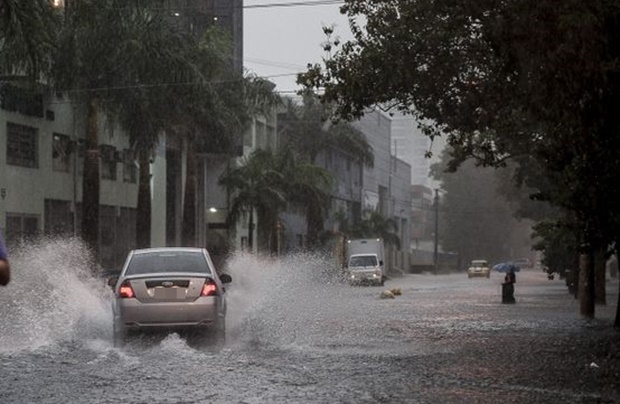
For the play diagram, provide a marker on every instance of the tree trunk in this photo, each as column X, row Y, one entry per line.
column 599, row 276
column 264, row 228
column 188, row 232
column 617, row 321
column 275, row 238
column 251, row 230
column 143, row 210
column 586, row 284
column 91, row 183
column 314, row 221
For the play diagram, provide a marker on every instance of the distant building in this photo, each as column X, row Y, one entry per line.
column 422, row 219
column 412, row 146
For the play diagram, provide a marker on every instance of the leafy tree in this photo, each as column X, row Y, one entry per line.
column 256, row 186
column 27, row 38
column 309, row 186
column 308, row 130
column 501, row 80
column 475, row 220
column 374, row 224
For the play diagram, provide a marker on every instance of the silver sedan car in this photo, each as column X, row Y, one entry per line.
column 169, row 289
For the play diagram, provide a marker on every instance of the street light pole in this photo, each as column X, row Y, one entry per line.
column 436, row 206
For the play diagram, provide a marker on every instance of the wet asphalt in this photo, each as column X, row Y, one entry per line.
column 295, row 336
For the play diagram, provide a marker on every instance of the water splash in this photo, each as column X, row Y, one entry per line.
column 280, row 302
column 54, row 296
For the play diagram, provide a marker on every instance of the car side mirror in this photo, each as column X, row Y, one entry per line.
column 225, row 278
column 381, row 262
column 112, row 281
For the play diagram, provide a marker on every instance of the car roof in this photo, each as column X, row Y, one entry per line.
column 167, row 249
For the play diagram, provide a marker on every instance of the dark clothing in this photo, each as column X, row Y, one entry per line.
column 5, row 269
column 4, row 254
column 508, row 293
column 508, row 288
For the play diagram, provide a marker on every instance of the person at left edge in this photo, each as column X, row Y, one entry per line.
column 5, row 268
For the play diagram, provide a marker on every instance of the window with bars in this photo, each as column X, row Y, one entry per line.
column 21, row 145
column 61, row 153
column 108, row 162
column 130, row 167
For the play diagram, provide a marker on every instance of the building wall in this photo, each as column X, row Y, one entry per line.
column 401, row 200
column 411, row 145
column 376, row 126
column 422, row 224
column 45, row 200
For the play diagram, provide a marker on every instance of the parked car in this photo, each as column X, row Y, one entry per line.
column 479, row 268
column 170, row 289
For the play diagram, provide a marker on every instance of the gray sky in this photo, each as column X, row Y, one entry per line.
column 280, row 41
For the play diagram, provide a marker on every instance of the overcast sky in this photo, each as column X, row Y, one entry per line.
column 280, row 41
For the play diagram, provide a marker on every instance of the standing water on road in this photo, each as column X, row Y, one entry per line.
column 297, row 334
column 54, row 297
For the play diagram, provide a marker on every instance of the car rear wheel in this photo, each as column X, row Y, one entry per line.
column 206, row 338
column 119, row 336
column 219, row 333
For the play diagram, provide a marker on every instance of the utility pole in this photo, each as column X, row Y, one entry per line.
column 436, row 206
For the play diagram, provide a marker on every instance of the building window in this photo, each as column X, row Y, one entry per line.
column 271, row 137
column 247, row 138
column 261, row 136
column 21, row 227
column 108, row 162
column 61, row 153
column 130, row 167
column 21, row 145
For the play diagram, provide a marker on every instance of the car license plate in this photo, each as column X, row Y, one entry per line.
column 169, row 293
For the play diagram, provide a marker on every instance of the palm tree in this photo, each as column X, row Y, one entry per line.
column 106, row 46
column 27, row 38
column 375, row 225
column 220, row 110
column 309, row 131
column 257, row 185
column 309, row 186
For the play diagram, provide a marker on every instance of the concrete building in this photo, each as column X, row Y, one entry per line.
column 41, row 159
column 411, row 145
column 41, row 164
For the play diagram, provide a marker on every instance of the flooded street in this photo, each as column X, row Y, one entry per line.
column 296, row 336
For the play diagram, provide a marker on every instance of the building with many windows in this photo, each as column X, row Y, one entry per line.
column 41, row 164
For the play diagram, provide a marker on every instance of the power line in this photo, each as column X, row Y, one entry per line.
column 247, row 6
column 154, row 85
column 294, row 4
column 283, row 65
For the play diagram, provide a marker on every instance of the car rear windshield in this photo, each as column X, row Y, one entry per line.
column 176, row 261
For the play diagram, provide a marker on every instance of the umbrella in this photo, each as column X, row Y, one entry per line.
column 506, row 267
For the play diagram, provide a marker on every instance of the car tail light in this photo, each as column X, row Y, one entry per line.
column 209, row 288
column 126, row 291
